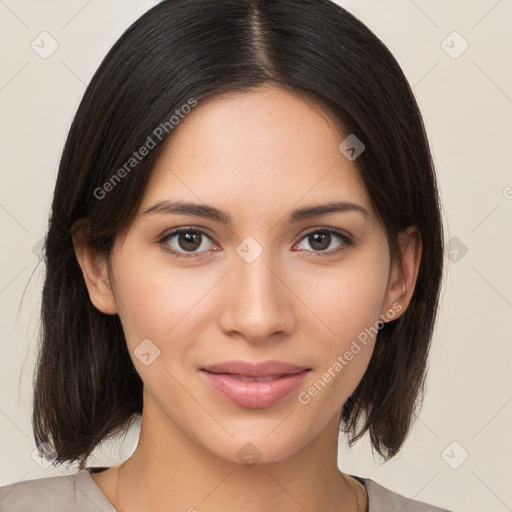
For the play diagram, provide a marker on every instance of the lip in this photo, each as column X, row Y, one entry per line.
column 224, row 378
column 250, row 369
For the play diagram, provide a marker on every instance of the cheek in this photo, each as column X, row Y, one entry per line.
column 344, row 300
column 154, row 300
column 165, row 304
column 348, row 303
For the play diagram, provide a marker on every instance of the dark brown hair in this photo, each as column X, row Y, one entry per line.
column 86, row 388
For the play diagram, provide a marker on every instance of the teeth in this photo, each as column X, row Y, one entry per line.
column 257, row 379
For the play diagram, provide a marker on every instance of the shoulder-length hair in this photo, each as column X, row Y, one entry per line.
column 86, row 388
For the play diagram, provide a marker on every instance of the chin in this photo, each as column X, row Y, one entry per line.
column 258, row 448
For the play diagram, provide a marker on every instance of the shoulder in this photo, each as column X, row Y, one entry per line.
column 76, row 493
column 381, row 498
column 56, row 492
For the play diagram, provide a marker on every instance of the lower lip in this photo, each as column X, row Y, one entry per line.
column 254, row 395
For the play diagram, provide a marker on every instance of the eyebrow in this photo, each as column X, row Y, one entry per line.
column 210, row 212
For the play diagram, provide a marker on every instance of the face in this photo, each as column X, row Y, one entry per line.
column 263, row 286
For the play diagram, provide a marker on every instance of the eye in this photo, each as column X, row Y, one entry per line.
column 321, row 239
column 186, row 242
column 186, row 239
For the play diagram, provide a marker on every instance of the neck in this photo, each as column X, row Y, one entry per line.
column 169, row 471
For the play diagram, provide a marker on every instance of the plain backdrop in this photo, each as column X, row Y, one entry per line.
column 457, row 57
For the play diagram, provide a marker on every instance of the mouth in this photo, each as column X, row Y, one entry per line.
column 248, row 378
column 247, row 369
column 254, row 385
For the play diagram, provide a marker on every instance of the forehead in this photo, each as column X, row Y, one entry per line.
column 261, row 152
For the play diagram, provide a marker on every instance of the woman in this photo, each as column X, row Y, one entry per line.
column 244, row 249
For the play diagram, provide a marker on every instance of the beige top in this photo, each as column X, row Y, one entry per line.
column 79, row 493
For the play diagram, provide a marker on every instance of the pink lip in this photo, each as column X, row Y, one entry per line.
column 224, row 379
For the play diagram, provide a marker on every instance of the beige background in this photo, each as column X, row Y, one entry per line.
column 466, row 99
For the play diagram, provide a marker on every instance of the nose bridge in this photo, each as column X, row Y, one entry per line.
column 259, row 304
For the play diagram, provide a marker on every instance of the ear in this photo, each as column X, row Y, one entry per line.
column 402, row 279
column 94, row 269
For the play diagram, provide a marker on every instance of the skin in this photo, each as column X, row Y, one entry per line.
column 256, row 156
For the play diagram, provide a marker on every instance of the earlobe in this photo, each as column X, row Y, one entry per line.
column 93, row 264
column 403, row 277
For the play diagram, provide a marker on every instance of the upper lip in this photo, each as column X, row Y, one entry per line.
column 250, row 369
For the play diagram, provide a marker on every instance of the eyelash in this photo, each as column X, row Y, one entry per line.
column 347, row 242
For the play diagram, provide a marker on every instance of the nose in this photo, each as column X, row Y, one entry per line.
column 258, row 303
